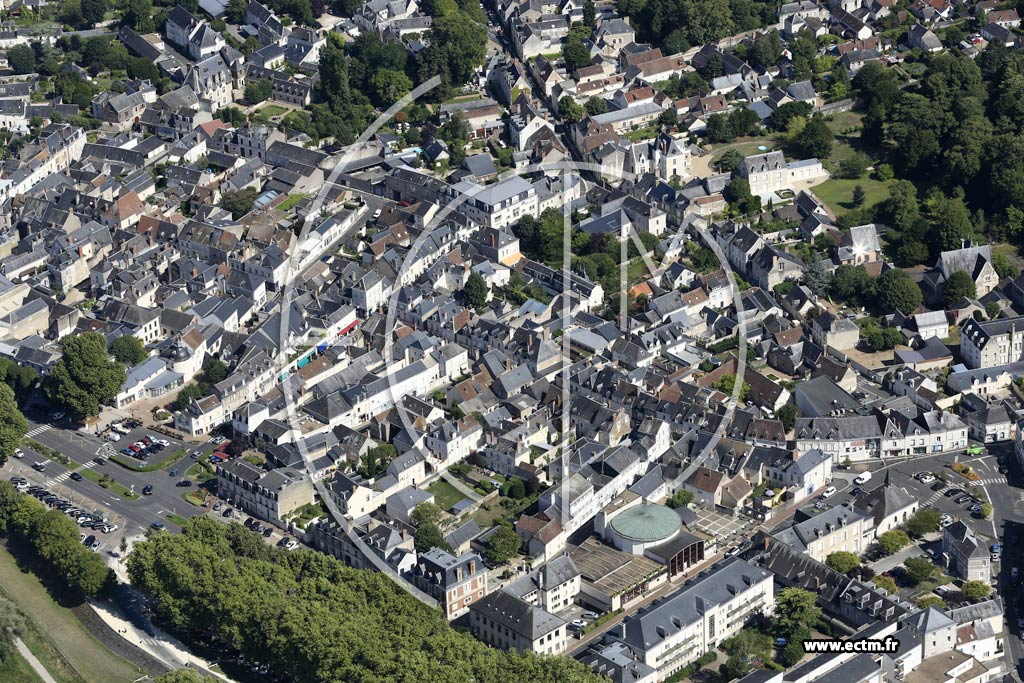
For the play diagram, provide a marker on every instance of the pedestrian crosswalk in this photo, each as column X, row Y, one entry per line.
column 992, row 481
column 65, row 475
column 935, row 497
column 36, row 431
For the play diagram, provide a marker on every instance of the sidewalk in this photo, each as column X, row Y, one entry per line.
column 160, row 646
column 36, row 665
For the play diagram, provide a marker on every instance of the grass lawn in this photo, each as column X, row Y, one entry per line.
column 643, row 133
column 292, row 200
column 176, row 519
column 844, row 120
column 464, row 98
column 65, row 648
column 485, row 518
column 15, row 669
column 201, row 472
column 445, row 494
column 837, row 193
column 272, row 110
column 746, row 146
column 119, row 489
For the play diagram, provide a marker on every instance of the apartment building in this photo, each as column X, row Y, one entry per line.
column 992, row 342
column 508, row 622
column 270, row 496
column 841, row 529
column 676, row 630
column 455, row 582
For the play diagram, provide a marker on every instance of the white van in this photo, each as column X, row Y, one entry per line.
column 864, row 478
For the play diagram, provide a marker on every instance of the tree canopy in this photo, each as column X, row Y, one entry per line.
column 128, row 350
column 897, row 292
column 85, row 376
column 308, row 614
column 53, row 538
column 13, row 424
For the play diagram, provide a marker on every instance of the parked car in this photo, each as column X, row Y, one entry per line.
column 953, row 492
column 938, row 486
column 829, row 492
column 228, row 513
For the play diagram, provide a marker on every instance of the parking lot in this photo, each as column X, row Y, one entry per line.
column 139, row 447
column 932, row 481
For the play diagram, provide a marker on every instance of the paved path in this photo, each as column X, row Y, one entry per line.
column 463, row 489
column 33, row 662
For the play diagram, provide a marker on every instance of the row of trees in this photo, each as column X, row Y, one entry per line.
column 309, row 614
column 54, row 540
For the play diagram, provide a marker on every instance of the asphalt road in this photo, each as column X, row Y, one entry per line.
column 134, row 516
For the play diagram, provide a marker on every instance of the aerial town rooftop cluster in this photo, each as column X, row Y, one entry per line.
column 395, row 340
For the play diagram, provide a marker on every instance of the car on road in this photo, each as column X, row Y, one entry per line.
column 174, row 473
column 829, row 492
column 75, row 476
column 147, row 490
column 183, row 483
column 99, row 460
column 195, row 454
column 158, row 526
column 856, row 491
column 39, row 466
column 862, row 478
column 18, row 453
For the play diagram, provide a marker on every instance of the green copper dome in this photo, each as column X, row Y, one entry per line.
column 646, row 523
